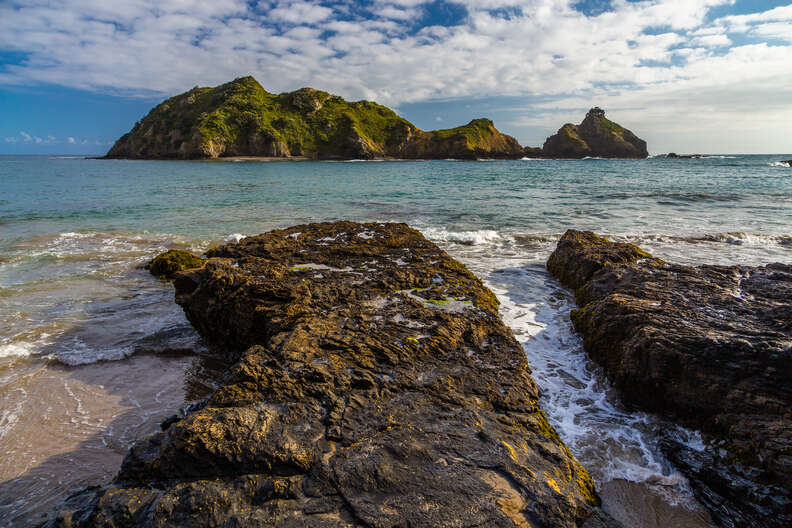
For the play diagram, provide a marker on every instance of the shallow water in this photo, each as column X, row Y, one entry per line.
column 78, row 315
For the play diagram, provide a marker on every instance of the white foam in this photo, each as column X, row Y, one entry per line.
column 18, row 349
column 234, row 237
column 780, row 164
column 481, row 236
column 610, row 441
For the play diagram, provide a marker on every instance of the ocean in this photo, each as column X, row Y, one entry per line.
column 94, row 353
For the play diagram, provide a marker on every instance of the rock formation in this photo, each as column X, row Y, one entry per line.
column 169, row 264
column 240, row 118
column 374, row 385
column 596, row 136
column 674, row 155
column 709, row 347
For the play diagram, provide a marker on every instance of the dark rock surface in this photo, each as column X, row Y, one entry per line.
column 374, row 385
column 596, row 136
column 707, row 346
column 167, row 265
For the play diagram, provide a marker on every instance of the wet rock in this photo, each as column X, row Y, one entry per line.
column 374, row 385
column 167, row 265
column 707, row 346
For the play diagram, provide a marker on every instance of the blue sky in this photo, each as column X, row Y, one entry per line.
column 687, row 75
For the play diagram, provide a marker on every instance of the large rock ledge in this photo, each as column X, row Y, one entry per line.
column 375, row 385
column 707, row 346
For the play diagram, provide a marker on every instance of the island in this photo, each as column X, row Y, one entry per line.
column 240, row 119
column 596, row 137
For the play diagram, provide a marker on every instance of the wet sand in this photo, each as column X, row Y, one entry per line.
column 636, row 505
column 63, row 428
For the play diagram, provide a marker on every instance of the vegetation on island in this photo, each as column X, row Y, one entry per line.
column 240, row 118
column 596, row 136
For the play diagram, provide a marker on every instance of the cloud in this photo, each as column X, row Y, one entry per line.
column 711, row 41
column 25, row 136
column 70, row 140
column 647, row 52
column 10, row 140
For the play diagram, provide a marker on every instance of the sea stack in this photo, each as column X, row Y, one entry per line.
column 596, row 136
column 709, row 347
column 374, row 384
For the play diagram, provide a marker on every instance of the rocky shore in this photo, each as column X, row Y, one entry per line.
column 709, row 347
column 373, row 384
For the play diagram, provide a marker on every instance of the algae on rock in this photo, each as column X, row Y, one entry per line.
column 167, row 265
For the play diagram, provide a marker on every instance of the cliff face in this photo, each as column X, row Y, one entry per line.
column 240, row 118
column 596, row 136
column 708, row 347
column 375, row 385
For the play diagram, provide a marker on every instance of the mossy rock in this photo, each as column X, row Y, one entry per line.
column 167, row 265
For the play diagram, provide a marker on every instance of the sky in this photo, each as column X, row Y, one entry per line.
column 688, row 76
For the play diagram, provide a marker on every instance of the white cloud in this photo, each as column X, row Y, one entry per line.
column 70, row 140
column 711, row 41
column 10, row 140
column 25, row 136
column 645, row 52
column 300, row 12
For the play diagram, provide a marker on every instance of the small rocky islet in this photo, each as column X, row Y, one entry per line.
column 709, row 347
column 373, row 384
column 241, row 119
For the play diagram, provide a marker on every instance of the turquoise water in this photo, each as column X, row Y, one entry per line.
column 74, row 234
column 210, row 199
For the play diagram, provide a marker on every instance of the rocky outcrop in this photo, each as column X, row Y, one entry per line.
column 240, row 118
column 709, row 347
column 167, row 265
column 674, row 155
column 374, row 385
column 532, row 152
column 596, row 136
